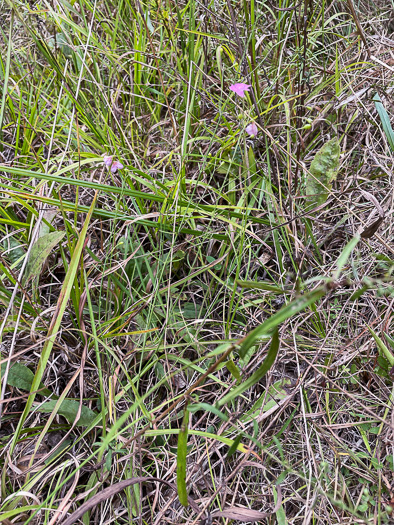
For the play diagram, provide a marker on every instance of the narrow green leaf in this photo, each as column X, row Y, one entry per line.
column 181, row 460
column 233, row 369
column 233, row 448
column 207, row 408
column 383, row 350
column 39, row 254
column 259, row 374
column 268, row 400
column 390, row 340
column 69, row 409
column 385, row 120
column 59, row 451
column 280, row 513
column 322, row 172
column 60, row 178
column 294, row 307
column 6, row 77
column 346, row 252
column 261, row 285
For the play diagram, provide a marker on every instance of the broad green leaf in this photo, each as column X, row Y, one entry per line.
column 39, row 254
column 20, row 376
column 322, row 172
column 15, row 251
column 69, row 409
column 181, row 460
column 385, row 120
column 259, row 374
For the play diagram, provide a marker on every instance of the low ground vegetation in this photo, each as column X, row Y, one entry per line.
column 196, row 262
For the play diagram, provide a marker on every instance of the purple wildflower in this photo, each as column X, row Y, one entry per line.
column 240, row 89
column 107, row 160
column 251, row 129
column 116, row 166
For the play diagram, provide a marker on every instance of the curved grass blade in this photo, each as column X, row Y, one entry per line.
column 259, row 374
column 294, row 307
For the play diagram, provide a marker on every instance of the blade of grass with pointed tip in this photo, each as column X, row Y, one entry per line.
column 105, row 188
column 382, row 347
column 385, row 120
column 181, row 460
column 259, row 374
column 207, row 408
column 234, row 446
column 294, row 307
column 261, row 285
column 344, row 257
column 6, row 77
column 56, row 321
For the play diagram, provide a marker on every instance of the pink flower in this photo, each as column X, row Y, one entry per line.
column 116, row 166
column 251, row 129
column 240, row 89
column 107, row 160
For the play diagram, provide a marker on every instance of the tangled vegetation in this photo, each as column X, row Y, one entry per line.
column 196, row 262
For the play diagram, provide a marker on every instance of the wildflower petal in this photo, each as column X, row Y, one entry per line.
column 116, row 166
column 240, row 89
column 107, row 160
column 251, row 129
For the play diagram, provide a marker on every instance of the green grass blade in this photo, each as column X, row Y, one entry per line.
column 294, row 307
column 385, row 120
column 56, row 321
column 6, row 78
column 259, row 374
column 181, row 460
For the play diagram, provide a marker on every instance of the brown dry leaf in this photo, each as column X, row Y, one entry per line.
column 245, row 514
column 370, row 230
column 114, row 489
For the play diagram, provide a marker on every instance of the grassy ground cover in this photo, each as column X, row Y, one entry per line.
column 196, row 262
